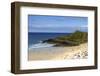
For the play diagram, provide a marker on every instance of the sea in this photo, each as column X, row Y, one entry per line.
column 35, row 39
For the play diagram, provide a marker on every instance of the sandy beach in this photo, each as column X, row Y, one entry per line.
column 59, row 53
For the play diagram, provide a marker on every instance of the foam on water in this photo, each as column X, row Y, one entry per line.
column 41, row 45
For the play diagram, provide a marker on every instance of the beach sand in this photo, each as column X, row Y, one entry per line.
column 59, row 53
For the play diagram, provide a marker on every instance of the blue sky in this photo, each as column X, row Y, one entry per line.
column 56, row 24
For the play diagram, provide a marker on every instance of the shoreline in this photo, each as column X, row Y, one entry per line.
column 59, row 53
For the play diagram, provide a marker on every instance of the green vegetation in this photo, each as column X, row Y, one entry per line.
column 73, row 39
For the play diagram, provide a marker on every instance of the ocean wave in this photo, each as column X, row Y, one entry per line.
column 41, row 45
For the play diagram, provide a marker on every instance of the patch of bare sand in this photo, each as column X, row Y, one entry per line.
column 59, row 53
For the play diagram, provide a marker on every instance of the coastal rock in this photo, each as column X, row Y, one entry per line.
column 73, row 39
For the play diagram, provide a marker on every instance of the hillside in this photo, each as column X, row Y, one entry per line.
column 73, row 39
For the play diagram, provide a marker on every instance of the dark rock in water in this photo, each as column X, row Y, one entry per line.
column 49, row 40
column 67, row 43
column 60, row 42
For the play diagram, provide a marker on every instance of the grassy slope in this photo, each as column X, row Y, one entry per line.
column 75, row 38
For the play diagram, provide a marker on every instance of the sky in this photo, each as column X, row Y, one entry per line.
column 56, row 24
